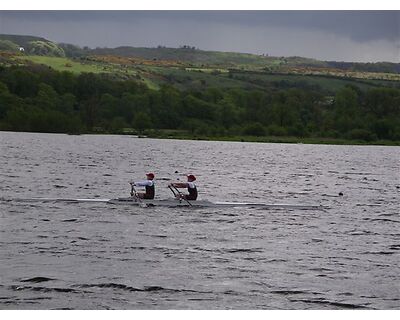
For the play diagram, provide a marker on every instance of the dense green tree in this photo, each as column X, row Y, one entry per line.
column 141, row 121
column 8, row 45
column 44, row 48
column 254, row 129
column 67, row 103
column 36, row 98
column 47, row 97
column 195, row 108
column 7, row 100
column 20, row 81
column 118, row 124
column 108, row 105
column 227, row 114
column 383, row 102
column 89, row 110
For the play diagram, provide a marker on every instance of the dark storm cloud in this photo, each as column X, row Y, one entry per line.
column 358, row 25
column 339, row 35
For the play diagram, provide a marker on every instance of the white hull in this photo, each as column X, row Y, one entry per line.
column 172, row 202
column 206, row 203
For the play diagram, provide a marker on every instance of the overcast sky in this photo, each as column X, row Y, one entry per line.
column 364, row 36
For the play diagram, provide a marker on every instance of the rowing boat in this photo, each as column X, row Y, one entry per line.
column 205, row 203
column 172, row 202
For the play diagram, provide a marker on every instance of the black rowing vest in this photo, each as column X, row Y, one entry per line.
column 150, row 192
column 192, row 193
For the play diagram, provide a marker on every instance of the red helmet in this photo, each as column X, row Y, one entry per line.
column 191, row 177
column 150, row 175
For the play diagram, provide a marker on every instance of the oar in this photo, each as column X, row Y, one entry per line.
column 182, row 196
column 170, row 188
column 135, row 194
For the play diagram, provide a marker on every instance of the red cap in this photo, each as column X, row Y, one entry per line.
column 191, row 177
column 150, row 175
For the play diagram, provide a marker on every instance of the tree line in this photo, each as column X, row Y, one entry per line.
column 39, row 99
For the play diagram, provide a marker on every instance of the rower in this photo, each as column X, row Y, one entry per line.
column 192, row 189
column 149, row 187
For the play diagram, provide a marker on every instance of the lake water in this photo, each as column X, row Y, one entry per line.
column 57, row 255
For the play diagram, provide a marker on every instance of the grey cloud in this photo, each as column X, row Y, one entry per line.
column 353, row 35
column 358, row 25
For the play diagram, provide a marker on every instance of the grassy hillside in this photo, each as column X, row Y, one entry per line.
column 190, row 68
column 189, row 56
column 22, row 41
column 62, row 64
column 31, row 45
column 156, row 73
column 201, row 58
column 193, row 57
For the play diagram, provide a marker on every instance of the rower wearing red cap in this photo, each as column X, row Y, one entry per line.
column 191, row 187
column 149, row 187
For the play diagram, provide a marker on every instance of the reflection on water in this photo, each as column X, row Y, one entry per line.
column 102, row 256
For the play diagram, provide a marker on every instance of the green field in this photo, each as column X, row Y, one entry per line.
column 77, row 67
column 196, row 78
column 326, row 83
column 183, row 79
column 63, row 64
column 193, row 78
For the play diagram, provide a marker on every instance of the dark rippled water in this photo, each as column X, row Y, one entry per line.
column 100, row 256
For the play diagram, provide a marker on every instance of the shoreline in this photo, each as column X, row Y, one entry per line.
column 289, row 140
column 257, row 139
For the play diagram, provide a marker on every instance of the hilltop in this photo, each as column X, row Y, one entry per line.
column 240, row 60
column 199, row 58
column 30, row 45
column 190, row 68
column 22, row 41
